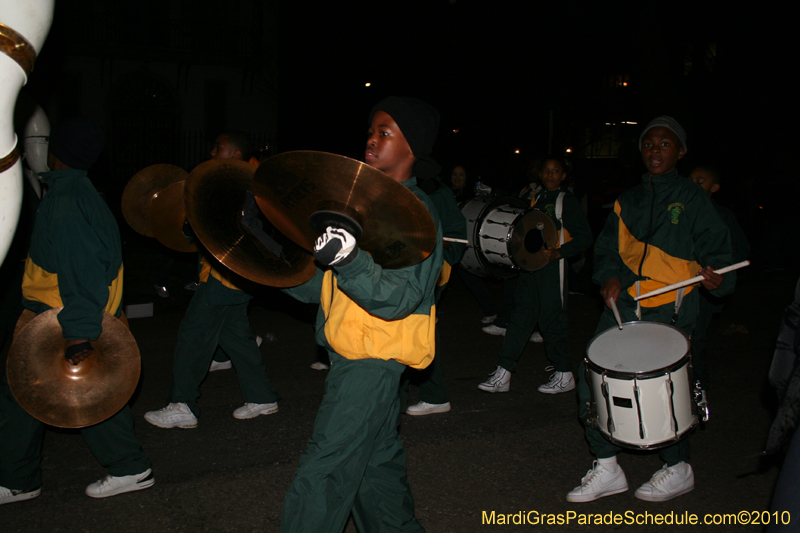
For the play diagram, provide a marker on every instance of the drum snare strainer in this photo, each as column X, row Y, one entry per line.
column 640, row 383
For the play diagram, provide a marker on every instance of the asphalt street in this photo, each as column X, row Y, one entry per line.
column 511, row 453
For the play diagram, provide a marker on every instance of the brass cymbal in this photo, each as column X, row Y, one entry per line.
column 60, row 394
column 215, row 193
column 167, row 215
column 290, row 187
column 531, row 231
column 140, row 191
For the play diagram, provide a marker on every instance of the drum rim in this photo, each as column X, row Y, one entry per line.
column 662, row 444
column 649, row 374
column 633, row 323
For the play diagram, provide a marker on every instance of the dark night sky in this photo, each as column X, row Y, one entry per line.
column 495, row 70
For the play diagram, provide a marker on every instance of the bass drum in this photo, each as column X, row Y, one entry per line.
column 505, row 236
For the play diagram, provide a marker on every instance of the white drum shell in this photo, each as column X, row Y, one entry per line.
column 665, row 408
column 663, row 411
column 36, row 140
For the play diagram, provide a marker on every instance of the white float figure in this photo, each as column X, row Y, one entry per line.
column 23, row 28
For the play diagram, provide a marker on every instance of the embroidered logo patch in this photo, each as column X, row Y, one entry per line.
column 550, row 209
column 675, row 211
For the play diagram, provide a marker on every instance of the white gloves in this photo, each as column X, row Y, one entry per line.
column 335, row 247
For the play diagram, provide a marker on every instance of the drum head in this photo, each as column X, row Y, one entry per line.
column 638, row 347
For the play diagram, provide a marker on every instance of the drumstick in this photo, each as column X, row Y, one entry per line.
column 451, row 239
column 692, row 281
column 616, row 311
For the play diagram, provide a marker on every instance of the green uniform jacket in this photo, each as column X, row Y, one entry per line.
column 578, row 235
column 739, row 244
column 662, row 231
column 368, row 312
column 75, row 258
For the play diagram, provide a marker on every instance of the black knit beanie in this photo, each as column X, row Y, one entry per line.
column 419, row 123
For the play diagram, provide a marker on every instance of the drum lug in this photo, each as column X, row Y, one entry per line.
column 702, row 402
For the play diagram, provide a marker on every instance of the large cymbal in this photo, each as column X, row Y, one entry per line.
column 290, row 187
column 215, row 193
column 141, row 190
column 167, row 215
column 58, row 393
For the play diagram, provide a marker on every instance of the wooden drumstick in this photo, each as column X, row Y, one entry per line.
column 616, row 311
column 691, row 281
column 452, row 239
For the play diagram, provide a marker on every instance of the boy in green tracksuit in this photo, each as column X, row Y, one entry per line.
column 74, row 261
column 661, row 232
column 374, row 323
column 540, row 296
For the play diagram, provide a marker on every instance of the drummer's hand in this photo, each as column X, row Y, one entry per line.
column 612, row 288
column 335, row 247
column 77, row 351
column 711, row 280
column 551, row 254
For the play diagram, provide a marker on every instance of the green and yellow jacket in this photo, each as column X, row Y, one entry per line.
column 367, row 312
column 662, row 232
column 75, row 258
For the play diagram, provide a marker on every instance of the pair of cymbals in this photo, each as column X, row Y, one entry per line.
column 61, row 394
column 153, row 205
column 215, row 194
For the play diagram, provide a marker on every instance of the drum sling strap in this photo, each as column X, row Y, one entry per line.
column 679, row 294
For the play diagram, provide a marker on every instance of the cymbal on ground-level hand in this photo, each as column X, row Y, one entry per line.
column 61, row 394
column 291, row 187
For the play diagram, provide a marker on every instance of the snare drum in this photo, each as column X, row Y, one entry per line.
column 641, row 385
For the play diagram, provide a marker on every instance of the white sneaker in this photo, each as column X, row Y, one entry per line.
column 536, row 337
column 425, row 408
column 252, row 410
column 669, row 482
column 559, row 382
column 11, row 496
column 598, row 482
column 175, row 415
column 111, row 486
column 216, row 365
column 488, row 319
column 319, row 365
column 499, row 381
column 491, row 329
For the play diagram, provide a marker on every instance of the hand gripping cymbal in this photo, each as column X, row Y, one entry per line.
column 292, row 187
column 215, row 194
column 61, row 394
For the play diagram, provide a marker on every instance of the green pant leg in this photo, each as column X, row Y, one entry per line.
column 433, row 389
column 553, row 318
column 198, row 337
column 361, row 397
column 507, row 299
column 20, row 444
column 521, row 321
column 115, row 445
column 384, row 501
column 239, row 342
